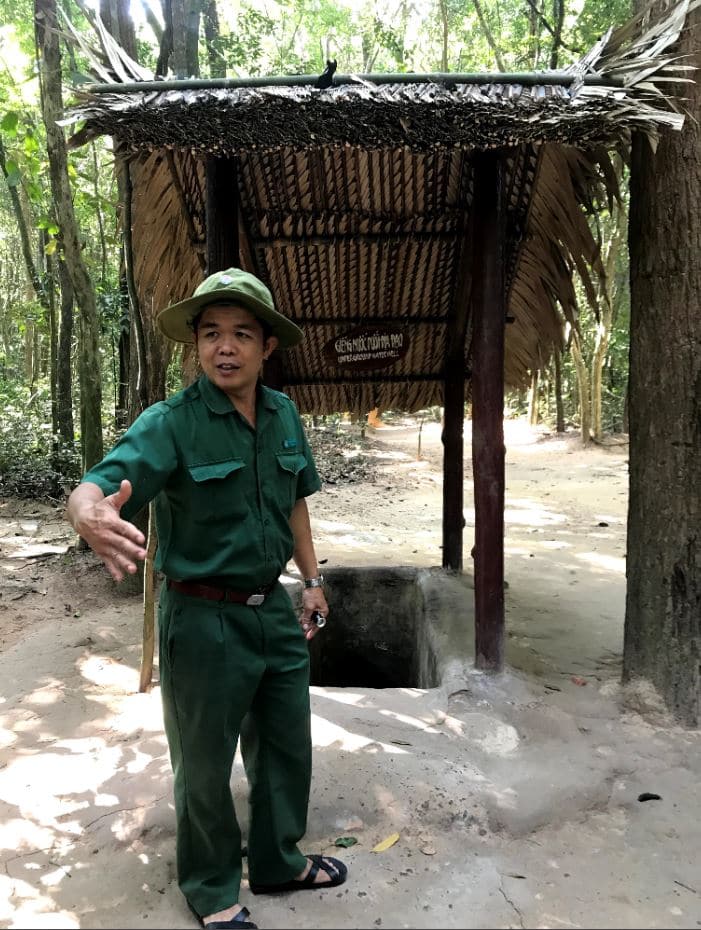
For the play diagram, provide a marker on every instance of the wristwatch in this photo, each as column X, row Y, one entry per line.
column 317, row 582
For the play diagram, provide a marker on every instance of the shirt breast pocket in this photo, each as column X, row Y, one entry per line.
column 219, row 491
column 290, row 464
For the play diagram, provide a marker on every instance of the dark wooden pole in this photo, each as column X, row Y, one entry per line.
column 453, row 419
column 488, row 314
column 454, row 416
column 221, row 214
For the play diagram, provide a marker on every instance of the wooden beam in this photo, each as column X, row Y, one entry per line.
column 488, row 310
column 454, row 414
column 369, row 377
column 450, row 78
column 370, row 321
column 453, row 469
column 304, row 241
column 221, row 212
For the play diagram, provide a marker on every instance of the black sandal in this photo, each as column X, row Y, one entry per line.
column 334, row 868
column 239, row 921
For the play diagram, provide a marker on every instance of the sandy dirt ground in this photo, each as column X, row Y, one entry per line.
column 516, row 798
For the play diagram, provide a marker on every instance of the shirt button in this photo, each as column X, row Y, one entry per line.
column 266, row 521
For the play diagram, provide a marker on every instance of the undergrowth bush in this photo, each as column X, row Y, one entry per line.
column 32, row 462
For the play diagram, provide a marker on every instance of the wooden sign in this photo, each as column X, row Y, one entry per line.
column 367, row 347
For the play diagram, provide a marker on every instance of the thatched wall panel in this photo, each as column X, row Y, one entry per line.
column 356, row 278
column 167, row 264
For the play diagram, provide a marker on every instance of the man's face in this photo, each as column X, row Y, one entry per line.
column 231, row 348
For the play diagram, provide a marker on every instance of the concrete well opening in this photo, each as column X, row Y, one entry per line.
column 376, row 634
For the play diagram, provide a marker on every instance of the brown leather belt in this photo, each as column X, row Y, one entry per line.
column 211, row 593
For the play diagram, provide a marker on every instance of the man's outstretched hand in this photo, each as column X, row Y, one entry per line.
column 96, row 518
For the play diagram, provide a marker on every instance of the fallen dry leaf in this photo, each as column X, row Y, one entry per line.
column 386, row 843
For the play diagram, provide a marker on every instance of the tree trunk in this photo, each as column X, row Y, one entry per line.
column 663, row 606
column 558, row 23
column 217, row 62
column 179, row 20
column 603, row 332
column 64, row 389
column 53, row 339
column 154, row 23
column 117, row 20
column 559, row 406
column 192, row 57
column 445, row 34
column 179, row 42
column 29, row 373
column 534, row 31
column 100, row 219
column 606, row 316
column 491, row 42
column 47, row 36
column 533, row 399
column 166, row 45
column 583, row 390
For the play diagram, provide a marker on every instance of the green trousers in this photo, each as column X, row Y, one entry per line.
column 228, row 670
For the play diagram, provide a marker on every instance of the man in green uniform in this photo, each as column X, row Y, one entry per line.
column 229, row 467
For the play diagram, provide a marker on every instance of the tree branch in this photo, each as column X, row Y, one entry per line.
column 34, row 275
column 491, row 42
column 549, row 28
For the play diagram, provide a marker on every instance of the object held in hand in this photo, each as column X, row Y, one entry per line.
column 318, row 618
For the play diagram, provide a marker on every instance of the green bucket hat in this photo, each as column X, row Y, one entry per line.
column 235, row 285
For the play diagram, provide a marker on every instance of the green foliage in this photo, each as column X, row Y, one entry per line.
column 242, row 49
column 32, row 464
column 596, row 17
column 10, row 122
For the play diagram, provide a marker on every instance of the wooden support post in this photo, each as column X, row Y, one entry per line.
column 453, row 419
column 221, row 214
column 454, row 415
column 488, row 315
column 149, row 633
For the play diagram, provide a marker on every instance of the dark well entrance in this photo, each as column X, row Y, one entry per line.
column 384, row 629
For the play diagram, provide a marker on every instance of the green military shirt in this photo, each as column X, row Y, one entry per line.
column 224, row 491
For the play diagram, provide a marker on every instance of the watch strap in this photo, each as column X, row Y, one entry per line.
column 317, row 582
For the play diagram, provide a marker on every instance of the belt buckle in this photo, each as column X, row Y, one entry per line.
column 255, row 600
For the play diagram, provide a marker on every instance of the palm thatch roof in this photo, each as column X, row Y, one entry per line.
column 354, row 202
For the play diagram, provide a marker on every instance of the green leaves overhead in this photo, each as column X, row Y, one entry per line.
column 45, row 223
column 10, row 122
column 13, row 176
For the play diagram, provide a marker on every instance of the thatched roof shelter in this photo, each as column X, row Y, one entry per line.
column 354, row 201
column 422, row 229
